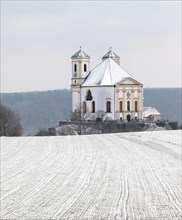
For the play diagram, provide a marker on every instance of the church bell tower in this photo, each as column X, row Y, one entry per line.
column 80, row 70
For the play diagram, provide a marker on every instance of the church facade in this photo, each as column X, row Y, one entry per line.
column 107, row 87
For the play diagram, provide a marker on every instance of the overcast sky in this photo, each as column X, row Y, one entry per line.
column 39, row 37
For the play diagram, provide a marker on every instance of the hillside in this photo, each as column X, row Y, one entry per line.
column 39, row 109
column 45, row 109
column 128, row 176
column 167, row 101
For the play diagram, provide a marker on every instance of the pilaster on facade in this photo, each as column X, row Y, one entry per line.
column 139, row 100
column 124, row 99
column 117, row 98
column 132, row 100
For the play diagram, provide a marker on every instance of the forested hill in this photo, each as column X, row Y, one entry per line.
column 45, row 109
column 167, row 101
column 39, row 109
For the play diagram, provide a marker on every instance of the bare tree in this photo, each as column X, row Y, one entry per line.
column 76, row 115
column 10, row 123
column 89, row 123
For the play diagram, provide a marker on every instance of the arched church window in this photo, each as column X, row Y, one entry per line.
column 128, row 106
column 85, row 67
column 108, row 106
column 84, row 107
column 136, row 106
column 89, row 95
column 93, row 106
column 75, row 68
column 121, row 106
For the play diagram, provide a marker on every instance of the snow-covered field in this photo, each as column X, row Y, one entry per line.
column 110, row 176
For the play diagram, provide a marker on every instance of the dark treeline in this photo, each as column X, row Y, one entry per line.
column 45, row 109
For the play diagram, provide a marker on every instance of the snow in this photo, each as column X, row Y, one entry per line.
column 106, row 73
column 111, row 176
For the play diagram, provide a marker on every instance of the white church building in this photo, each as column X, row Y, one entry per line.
column 107, row 87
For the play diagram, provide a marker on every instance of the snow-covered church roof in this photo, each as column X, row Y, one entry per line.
column 106, row 73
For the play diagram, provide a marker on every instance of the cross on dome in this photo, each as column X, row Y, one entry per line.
column 80, row 54
column 112, row 55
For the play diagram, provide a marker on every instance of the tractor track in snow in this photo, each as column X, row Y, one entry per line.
column 19, row 169
column 75, row 199
column 158, row 176
column 127, row 176
column 60, row 192
column 163, row 185
column 40, row 186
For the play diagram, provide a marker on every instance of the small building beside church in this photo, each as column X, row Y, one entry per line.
column 107, row 87
column 151, row 114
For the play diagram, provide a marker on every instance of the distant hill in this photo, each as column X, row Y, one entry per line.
column 168, row 102
column 45, row 109
column 39, row 109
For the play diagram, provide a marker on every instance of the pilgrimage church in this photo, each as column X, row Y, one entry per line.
column 107, row 87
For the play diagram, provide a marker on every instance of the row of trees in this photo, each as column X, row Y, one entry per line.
column 10, row 123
